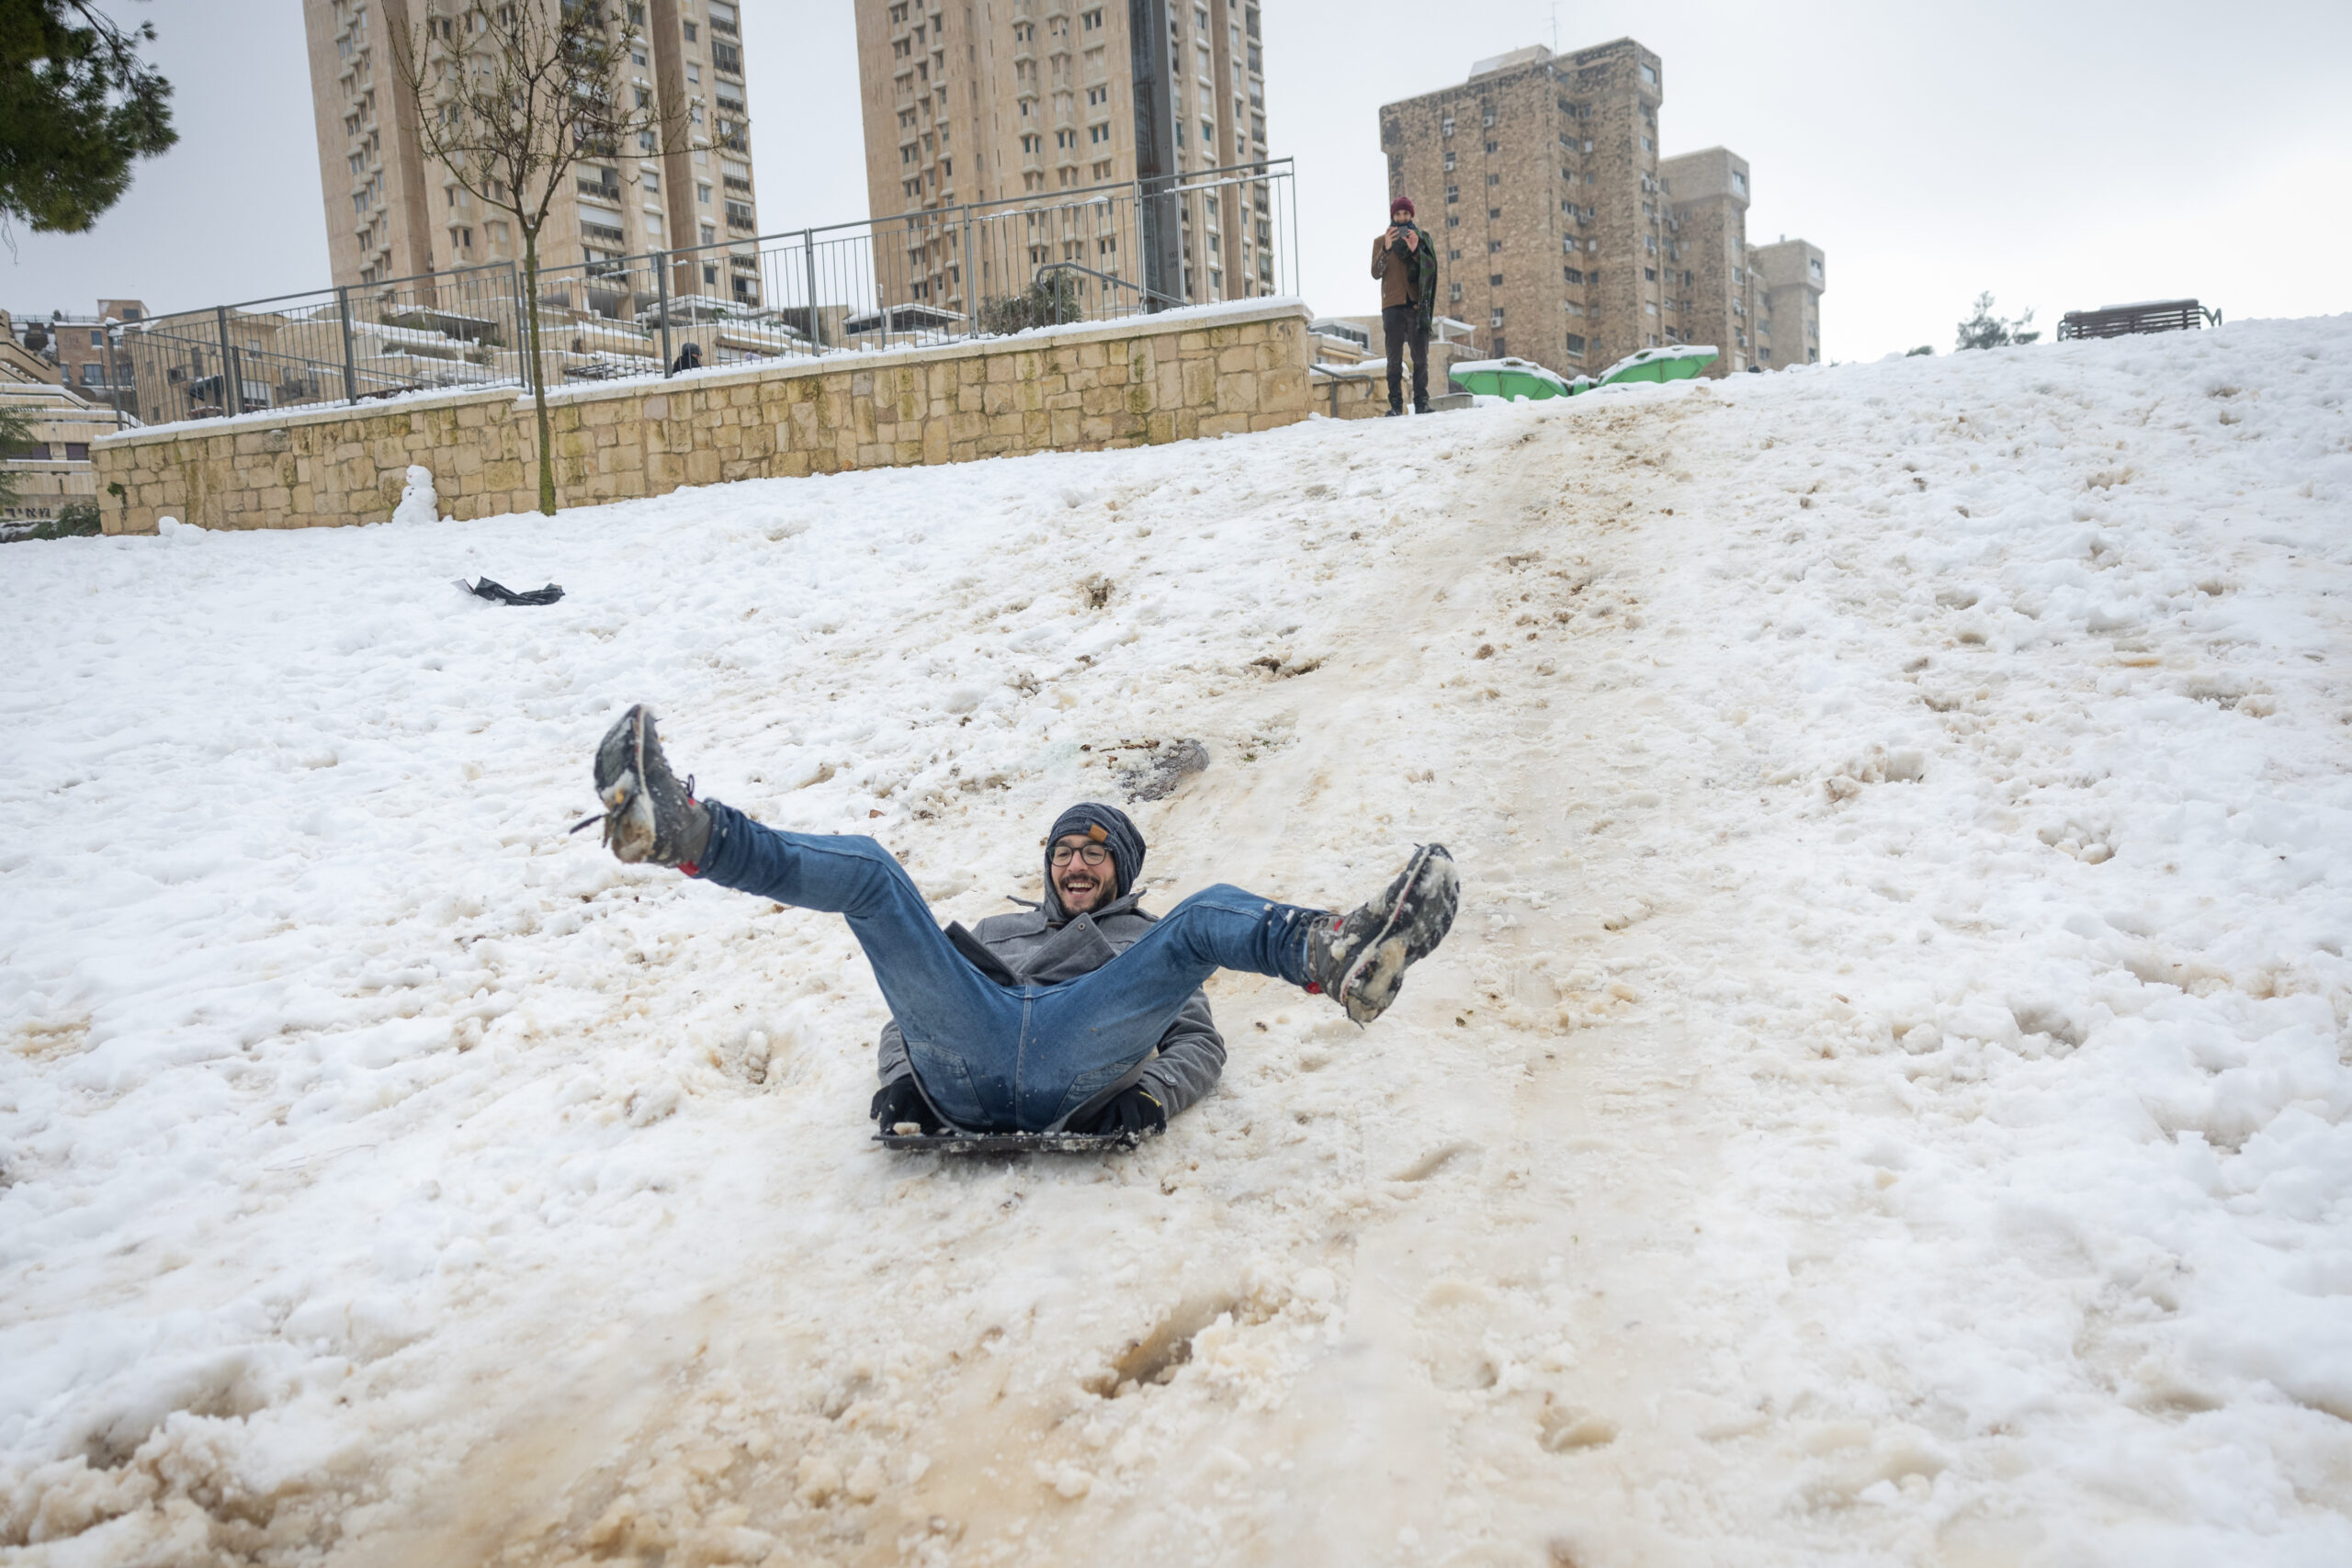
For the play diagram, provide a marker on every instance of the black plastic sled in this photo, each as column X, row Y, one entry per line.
column 1009, row 1143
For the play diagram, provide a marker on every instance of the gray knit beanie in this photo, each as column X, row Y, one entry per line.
column 1108, row 826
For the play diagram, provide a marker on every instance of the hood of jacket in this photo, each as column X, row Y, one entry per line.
column 1041, row 952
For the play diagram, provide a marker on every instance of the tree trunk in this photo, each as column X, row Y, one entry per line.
column 539, row 368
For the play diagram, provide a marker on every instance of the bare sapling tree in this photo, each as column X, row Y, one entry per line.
column 511, row 96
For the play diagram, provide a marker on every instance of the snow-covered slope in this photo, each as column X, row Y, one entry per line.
column 1884, row 1100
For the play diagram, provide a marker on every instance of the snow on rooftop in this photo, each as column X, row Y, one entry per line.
column 1884, row 1102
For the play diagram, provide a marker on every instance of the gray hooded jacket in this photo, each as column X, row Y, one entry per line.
column 1034, row 950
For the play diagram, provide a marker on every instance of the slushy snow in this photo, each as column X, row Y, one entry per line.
column 1884, row 1100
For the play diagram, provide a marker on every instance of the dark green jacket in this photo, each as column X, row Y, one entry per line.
column 1420, row 284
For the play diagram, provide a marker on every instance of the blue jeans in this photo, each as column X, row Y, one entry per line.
column 994, row 1056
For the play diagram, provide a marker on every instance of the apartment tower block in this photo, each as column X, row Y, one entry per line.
column 1028, row 103
column 1567, row 239
column 390, row 215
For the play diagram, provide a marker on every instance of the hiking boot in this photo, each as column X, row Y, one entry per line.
column 1358, row 959
column 1394, row 413
column 1421, row 406
column 648, row 816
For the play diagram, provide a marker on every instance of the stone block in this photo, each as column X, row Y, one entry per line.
column 1197, row 387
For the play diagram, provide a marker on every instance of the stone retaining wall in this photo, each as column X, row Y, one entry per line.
column 1132, row 383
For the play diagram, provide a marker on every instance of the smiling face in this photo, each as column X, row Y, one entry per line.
column 1083, row 885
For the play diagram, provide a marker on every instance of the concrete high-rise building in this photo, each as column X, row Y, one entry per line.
column 1567, row 239
column 1792, row 281
column 392, row 215
column 1029, row 102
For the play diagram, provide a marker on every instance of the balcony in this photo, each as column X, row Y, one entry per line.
column 726, row 56
column 736, row 182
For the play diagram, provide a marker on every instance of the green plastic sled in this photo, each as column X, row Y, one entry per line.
column 1509, row 379
column 1676, row 362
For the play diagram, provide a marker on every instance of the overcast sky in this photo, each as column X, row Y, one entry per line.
column 2062, row 154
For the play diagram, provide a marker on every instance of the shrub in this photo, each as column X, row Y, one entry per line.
column 1048, row 301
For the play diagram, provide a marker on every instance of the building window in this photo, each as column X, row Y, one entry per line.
column 1493, row 179
column 690, row 32
column 1576, row 345
column 1740, row 182
column 1494, row 212
column 1649, row 275
column 78, row 451
column 1649, row 74
column 1453, row 219
column 1492, row 146
column 1454, row 293
column 1446, row 126
column 1449, row 163
column 1571, row 275
column 1494, row 280
column 1494, row 319
column 1452, row 193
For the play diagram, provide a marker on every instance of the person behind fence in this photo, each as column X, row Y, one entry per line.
column 1079, row 1014
column 689, row 358
column 1405, row 260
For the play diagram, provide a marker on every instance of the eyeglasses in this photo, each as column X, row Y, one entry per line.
column 1092, row 854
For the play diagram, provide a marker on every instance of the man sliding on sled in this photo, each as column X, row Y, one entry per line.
column 1084, row 1015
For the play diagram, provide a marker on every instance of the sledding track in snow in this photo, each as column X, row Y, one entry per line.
column 1884, row 1103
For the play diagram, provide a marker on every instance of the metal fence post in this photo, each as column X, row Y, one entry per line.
column 114, row 383
column 350, row 365
column 523, row 324
column 221, row 320
column 661, row 290
column 808, row 256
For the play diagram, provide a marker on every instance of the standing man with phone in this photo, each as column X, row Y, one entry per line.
column 1405, row 263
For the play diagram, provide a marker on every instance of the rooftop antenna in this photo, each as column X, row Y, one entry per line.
column 1556, row 27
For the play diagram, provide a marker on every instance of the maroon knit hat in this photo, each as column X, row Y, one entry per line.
column 1401, row 204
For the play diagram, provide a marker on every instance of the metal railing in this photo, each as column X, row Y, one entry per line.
column 460, row 328
column 932, row 276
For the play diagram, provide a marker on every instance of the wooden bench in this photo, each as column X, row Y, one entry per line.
column 2150, row 316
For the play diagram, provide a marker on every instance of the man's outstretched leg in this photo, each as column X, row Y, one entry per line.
column 960, row 1026
column 1087, row 1033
